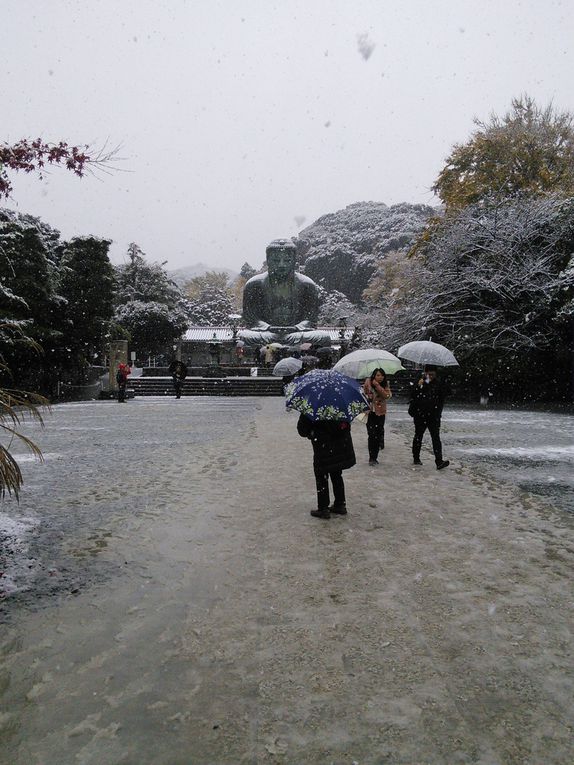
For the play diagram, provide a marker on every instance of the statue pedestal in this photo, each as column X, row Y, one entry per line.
column 285, row 336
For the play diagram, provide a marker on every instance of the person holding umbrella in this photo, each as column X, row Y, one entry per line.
column 327, row 401
column 378, row 391
column 333, row 452
column 426, row 405
column 178, row 372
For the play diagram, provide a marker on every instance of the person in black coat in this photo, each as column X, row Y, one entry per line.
column 426, row 405
column 333, row 452
column 178, row 372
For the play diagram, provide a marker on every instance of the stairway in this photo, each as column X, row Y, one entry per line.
column 208, row 386
column 240, row 386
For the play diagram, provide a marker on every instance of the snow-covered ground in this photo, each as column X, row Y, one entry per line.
column 171, row 599
column 84, row 442
column 531, row 450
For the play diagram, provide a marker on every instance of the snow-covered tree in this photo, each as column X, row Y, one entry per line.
column 495, row 282
column 211, row 307
column 29, row 255
column 147, row 282
column 87, row 285
column 247, row 271
column 152, row 326
column 333, row 306
column 211, row 298
column 26, row 156
column 217, row 280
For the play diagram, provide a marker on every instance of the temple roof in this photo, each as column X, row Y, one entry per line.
column 206, row 334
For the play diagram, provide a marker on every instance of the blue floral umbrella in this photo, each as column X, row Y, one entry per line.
column 323, row 394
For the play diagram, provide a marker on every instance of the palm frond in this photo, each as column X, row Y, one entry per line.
column 10, row 474
column 15, row 407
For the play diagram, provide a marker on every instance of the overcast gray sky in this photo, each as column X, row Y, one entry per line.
column 245, row 120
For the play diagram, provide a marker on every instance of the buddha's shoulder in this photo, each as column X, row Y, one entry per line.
column 256, row 280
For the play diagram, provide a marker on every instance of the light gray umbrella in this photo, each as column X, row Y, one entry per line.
column 287, row 366
column 359, row 364
column 427, row 352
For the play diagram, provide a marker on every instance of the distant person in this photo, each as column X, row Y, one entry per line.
column 122, row 374
column 426, row 405
column 332, row 453
column 378, row 391
column 178, row 372
column 269, row 356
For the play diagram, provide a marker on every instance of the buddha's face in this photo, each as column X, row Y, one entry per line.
column 281, row 264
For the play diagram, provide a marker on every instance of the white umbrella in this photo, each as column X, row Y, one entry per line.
column 287, row 366
column 427, row 352
column 360, row 364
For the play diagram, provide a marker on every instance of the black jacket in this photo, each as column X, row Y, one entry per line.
column 427, row 400
column 332, row 444
column 177, row 369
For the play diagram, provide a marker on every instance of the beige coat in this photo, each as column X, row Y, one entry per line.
column 377, row 395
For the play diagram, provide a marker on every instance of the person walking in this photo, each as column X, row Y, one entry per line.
column 378, row 391
column 122, row 381
column 426, row 405
column 333, row 452
column 178, row 372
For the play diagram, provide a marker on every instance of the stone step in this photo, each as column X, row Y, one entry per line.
column 208, row 386
column 240, row 386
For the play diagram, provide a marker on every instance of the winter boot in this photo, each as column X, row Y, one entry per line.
column 339, row 509
column 321, row 513
column 442, row 464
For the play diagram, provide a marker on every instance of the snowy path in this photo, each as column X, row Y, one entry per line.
column 186, row 609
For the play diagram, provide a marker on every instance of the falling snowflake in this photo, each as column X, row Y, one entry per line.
column 366, row 46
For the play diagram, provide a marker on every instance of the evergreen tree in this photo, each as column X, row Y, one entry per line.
column 87, row 285
column 152, row 326
column 247, row 271
column 146, row 282
column 29, row 254
column 27, row 156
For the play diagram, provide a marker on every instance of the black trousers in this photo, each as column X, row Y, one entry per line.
column 433, row 425
column 322, row 481
column 121, row 392
column 376, row 434
column 177, row 387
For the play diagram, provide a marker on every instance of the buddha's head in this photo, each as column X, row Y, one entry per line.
column 281, row 256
